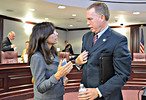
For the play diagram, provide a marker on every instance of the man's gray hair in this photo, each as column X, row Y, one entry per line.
column 11, row 32
column 101, row 9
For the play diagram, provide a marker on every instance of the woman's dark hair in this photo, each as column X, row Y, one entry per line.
column 38, row 41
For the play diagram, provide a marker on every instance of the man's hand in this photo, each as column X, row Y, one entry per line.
column 82, row 58
column 13, row 45
column 90, row 94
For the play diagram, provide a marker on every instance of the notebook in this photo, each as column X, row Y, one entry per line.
column 106, row 69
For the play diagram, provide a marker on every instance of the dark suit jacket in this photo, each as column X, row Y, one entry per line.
column 112, row 44
column 6, row 45
column 70, row 50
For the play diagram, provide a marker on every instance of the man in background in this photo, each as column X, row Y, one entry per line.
column 7, row 44
column 68, row 48
column 102, row 41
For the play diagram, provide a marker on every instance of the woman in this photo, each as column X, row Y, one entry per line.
column 25, row 52
column 46, row 70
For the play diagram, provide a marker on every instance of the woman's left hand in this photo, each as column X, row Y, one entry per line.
column 65, row 80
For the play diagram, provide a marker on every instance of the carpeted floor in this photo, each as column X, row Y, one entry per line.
column 127, row 95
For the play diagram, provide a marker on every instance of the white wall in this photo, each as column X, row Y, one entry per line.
column 20, row 37
column 22, row 30
column 126, row 32
column 75, row 38
column 62, row 35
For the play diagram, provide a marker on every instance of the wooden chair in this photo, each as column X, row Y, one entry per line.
column 63, row 55
column 139, row 57
column 9, row 57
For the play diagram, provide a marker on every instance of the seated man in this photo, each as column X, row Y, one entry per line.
column 68, row 48
column 6, row 43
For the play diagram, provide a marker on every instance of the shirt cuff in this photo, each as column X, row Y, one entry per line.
column 100, row 95
column 15, row 49
column 78, row 67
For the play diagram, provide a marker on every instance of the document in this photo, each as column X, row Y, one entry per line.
column 106, row 69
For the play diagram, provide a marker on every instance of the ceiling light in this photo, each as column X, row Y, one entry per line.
column 32, row 9
column 74, row 15
column 46, row 18
column 61, row 7
column 116, row 17
column 70, row 25
column 136, row 13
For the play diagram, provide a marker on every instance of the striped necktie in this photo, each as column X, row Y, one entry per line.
column 95, row 38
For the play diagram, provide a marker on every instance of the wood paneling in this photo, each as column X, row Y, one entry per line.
column 137, row 79
column 14, row 78
column 134, row 40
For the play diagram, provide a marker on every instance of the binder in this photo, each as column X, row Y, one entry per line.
column 106, row 69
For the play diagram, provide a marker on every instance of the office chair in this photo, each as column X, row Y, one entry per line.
column 9, row 57
column 63, row 55
column 139, row 57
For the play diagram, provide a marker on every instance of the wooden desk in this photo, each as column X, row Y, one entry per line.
column 14, row 79
column 138, row 76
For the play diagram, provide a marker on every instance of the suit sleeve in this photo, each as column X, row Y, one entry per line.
column 6, row 46
column 122, row 66
column 38, row 70
column 83, row 48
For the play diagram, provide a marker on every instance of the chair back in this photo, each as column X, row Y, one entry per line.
column 9, row 57
column 63, row 55
column 139, row 57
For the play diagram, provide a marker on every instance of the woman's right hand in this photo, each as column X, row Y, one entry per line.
column 63, row 70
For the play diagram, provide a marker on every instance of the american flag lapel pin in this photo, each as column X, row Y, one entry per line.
column 104, row 40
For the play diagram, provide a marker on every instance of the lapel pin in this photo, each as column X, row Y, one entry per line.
column 104, row 40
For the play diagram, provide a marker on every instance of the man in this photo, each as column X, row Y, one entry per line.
column 6, row 43
column 68, row 48
column 108, row 43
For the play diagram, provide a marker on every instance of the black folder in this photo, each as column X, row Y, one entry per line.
column 106, row 69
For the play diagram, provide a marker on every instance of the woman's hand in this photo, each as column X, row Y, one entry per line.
column 63, row 70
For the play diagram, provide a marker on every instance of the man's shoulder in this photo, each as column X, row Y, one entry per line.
column 88, row 33
column 115, row 33
column 117, row 36
column 6, row 39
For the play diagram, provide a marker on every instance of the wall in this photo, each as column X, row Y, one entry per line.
column 126, row 32
column 20, row 37
column 23, row 30
column 75, row 37
column 62, row 35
